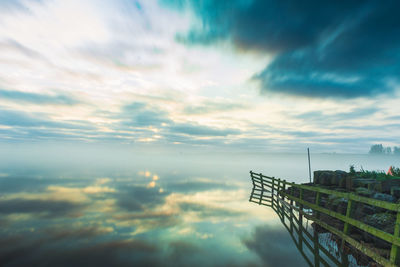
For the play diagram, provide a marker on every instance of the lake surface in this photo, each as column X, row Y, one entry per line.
column 151, row 209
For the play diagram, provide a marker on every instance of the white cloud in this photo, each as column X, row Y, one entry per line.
column 111, row 53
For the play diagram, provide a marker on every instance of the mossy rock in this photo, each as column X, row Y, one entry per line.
column 338, row 204
column 338, row 201
column 349, row 183
column 329, row 178
column 384, row 197
column 378, row 187
column 383, row 221
column 395, row 191
column 362, row 191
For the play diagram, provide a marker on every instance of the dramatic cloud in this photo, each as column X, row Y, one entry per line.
column 47, row 208
column 178, row 250
column 322, row 48
column 14, row 184
column 137, row 198
column 139, row 115
column 143, row 73
column 47, row 249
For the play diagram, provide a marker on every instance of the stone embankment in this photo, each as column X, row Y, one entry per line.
column 385, row 190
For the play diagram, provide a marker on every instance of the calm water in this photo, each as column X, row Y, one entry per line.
column 169, row 209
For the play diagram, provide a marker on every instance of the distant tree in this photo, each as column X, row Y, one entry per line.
column 376, row 149
column 396, row 171
column 396, row 150
column 352, row 169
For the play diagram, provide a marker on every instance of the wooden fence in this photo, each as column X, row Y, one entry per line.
column 280, row 196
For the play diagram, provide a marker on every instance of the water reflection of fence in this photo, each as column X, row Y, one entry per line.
column 294, row 209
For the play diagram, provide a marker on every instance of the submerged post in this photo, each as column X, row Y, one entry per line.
column 309, row 164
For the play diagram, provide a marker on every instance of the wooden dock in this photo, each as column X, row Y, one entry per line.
column 288, row 201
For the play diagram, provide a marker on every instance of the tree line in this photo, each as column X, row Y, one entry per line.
column 380, row 149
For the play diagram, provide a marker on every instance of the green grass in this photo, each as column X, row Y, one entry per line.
column 377, row 175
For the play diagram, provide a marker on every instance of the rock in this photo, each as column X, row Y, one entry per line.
column 363, row 182
column 342, row 206
column 316, row 177
column 329, row 178
column 395, row 191
column 326, row 177
column 349, row 183
column 341, row 173
column 361, row 210
column 368, row 209
column 384, row 197
column 388, row 184
column 377, row 242
column 362, row 191
column 380, row 220
column 342, row 183
column 339, row 177
column 383, row 221
column 337, row 204
column 377, row 187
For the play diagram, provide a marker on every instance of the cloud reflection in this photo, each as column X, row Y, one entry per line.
column 120, row 222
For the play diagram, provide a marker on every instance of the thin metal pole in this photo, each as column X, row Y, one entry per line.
column 309, row 164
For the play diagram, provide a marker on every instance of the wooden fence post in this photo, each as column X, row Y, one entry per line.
column 277, row 194
column 262, row 189
column 346, row 227
column 301, row 220
column 316, row 238
column 394, row 253
column 283, row 198
column 254, row 185
column 291, row 209
column 317, row 202
column 273, row 192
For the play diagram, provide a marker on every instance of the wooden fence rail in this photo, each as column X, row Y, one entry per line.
column 272, row 192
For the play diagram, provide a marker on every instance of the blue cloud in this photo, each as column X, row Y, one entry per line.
column 213, row 107
column 24, row 119
column 339, row 49
column 54, row 208
column 137, row 198
column 140, row 115
column 36, row 126
column 35, row 98
column 200, row 130
column 274, row 246
column 318, row 116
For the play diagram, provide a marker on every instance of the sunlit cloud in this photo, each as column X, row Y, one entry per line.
column 98, row 189
column 151, row 184
column 127, row 77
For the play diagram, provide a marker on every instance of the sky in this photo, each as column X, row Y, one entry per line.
column 223, row 75
column 109, row 110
